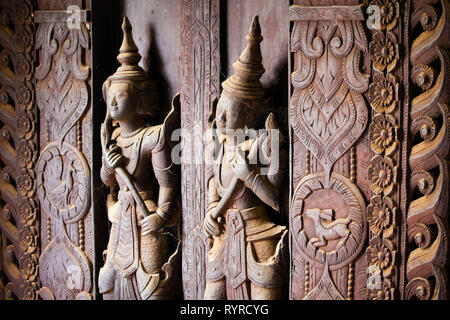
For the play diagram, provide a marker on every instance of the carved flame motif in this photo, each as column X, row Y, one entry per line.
column 62, row 92
column 327, row 111
column 64, row 271
column 200, row 85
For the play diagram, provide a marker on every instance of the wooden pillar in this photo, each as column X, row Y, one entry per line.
column 63, row 172
column 199, row 87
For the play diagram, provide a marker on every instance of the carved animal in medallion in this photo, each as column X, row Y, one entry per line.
column 326, row 231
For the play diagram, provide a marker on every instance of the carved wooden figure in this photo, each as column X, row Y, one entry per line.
column 247, row 253
column 142, row 255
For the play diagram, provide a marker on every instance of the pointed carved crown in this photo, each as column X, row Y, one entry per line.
column 245, row 83
column 129, row 57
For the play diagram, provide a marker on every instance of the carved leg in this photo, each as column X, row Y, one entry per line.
column 215, row 290
column 107, row 273
column 343, row 241
column 318, row 242
column 215, row 283
column 264, row 250
column 260, row 293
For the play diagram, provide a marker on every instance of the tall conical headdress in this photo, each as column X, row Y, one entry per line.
column 245, row 83
column 129, row 57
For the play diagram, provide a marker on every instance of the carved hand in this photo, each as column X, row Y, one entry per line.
column 114, row 158
column 240, row 165
column 151, row 223
column 210, row 225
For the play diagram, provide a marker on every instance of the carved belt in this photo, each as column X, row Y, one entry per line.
column 250, row 213
column 145, row 195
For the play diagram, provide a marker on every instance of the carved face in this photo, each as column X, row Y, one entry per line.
column 120, row 101
column 230, row 114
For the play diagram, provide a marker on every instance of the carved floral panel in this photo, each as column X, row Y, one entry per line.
column 64, row 165
column 329, row 117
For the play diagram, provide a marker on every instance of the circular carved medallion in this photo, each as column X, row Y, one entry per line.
column 329, row 223
column 63, row 178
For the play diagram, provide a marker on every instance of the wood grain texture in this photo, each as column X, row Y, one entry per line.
column 19, row 231
column 427, row 217
column 64, row 166
column 328, row 115
column 200, row 86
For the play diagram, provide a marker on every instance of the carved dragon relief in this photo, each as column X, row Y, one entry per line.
column 19, row 232
column 63, row 172
column 328, row 114
column 427, row 218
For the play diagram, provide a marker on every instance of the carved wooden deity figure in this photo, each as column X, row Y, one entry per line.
column 137, row 167
column 246, row 258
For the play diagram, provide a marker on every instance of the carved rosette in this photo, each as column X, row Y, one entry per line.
column 328, row 115
column 427, row 219
column 63, row 168
column 200, row 47
column 19, row 235
column 383, row 173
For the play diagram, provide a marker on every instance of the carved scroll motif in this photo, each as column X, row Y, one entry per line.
column 63, row 168
column 427, row 219
column 19, row 231
column 200, row 41
column 328, row 115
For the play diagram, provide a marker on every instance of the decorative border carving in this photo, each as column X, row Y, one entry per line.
column 200, row 85
column 337, row 13
column 384, row 174
column 427, row 219
column 19, row 217
column 63, row 171
column 328, row 115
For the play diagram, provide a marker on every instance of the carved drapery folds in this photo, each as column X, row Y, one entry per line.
column 328, row 115
column 200, row 85
column 18, row 143
column 427, row 219
column 63, row 168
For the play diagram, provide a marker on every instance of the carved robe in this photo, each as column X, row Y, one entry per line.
column 135, row 265
column 232, row 256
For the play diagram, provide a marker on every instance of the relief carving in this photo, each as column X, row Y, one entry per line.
column 328, row 114
column 19, row 232
column 200, row 86
column 427, row 218
column 142, row 257
column 63, row 170
column 247, row 252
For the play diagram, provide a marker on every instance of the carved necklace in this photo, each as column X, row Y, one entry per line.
column 131, row 134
